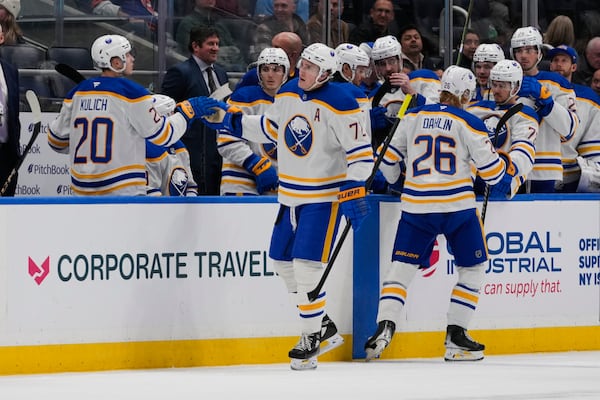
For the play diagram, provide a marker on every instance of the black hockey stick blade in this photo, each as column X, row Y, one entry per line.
column 69, row 72
column 36, row 111
column 509, row 113
column 312, row 295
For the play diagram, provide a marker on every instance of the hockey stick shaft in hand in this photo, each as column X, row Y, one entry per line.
column 509, row 113
column 36, row 112
column 312, row 295
column 69, row 72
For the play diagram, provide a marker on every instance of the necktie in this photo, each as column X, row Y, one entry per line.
column 211, row 80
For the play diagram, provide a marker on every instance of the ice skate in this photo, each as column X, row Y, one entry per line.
column 460, row 346
column 304, row 354
column 330, row 338
column 380, row 340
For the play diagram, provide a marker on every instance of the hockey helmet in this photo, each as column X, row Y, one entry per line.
column 322, row 56
column 386, row 47
column 108, row 46
column 526, row 36
column 458, row 81
column 490, row 52
column 273, row 55
column 13, row 6
column 352, row 55
column 508, row 71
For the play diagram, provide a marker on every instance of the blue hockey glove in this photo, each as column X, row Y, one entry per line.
column 379, row 185
column 353, row 203
column 228, row 118
column 196, row 107
column 264, row 171
column 378, row 118
column 502, row 189
column 532, row 88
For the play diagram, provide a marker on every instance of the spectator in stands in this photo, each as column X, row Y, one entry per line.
column 595, row 82
column 9, row 11
column 284, row 19
column 266, row 8
column 206, row 14
column 380, row 23
column 412, row 49
column 560, row 31
column 199, row 75
column 10, row 126
column 141, row 14
column 465, row 59
column 589, row 63
column 339, row 28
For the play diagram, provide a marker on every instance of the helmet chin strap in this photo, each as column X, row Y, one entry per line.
column 118, row 71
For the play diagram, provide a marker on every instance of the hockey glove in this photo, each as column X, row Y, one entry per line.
column 196, row 107
column 228, row 118
column 502, row 189
column 264, row 172
column 533, row 89
column 378, row 118
column 353, row 203
column 379, row 185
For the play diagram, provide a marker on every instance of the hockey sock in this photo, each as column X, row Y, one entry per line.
column 394, row 290
column 307, row 275
column 465, row 295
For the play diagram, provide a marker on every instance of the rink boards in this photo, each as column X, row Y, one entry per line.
column 147, row 283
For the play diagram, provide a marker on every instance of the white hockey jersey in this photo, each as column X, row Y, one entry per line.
column 586, row 140
column 438, row 143
column 321, row 141
column 517, row 137
column 169, row 172
column 235, row 179
column 103, row 124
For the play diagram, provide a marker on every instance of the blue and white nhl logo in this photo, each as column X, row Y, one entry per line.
column 178, row 182
column 299, row 136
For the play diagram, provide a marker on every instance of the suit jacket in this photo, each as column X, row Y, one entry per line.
column 11, row 150
column 181, row 82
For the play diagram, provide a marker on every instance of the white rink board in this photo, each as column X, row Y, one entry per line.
column 195, row 301
column 552, row 247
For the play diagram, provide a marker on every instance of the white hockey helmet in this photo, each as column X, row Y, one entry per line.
column 352, row 55
column 508, row 71
column 526, row 36
column 367, row 47
column 108, row 46
column 164, row 105
column 322, row 56
column 458, row 81
column 488, row 52
column 13, row 6
column 385, row 47
column 273, row 55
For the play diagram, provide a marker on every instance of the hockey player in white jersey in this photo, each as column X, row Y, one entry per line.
column 554, row 100
column 486, row 56
column 324, row 159
column 104, row 122
column 423, row 84
column 517, row 136
column 251, row 168
column 439, row 143
column 168, row 168
column 586, row 141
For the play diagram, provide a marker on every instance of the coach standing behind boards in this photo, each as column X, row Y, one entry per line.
column 192, row 78
column 10, row 127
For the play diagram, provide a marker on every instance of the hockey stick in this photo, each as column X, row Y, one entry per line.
column 36, row 112
column 464, row 32
column 509, row 113
column 312, row 295
column 69, row 72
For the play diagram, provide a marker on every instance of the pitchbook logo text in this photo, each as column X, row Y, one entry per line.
column 39, row 272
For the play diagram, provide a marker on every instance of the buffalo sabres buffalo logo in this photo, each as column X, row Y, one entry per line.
column 503, row 133
column 299, row 136
column 178, row 182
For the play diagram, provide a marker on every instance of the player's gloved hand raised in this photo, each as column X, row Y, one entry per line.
column 532, row 88
column 264, row 172
column 502, row 189
column 353, row 203
column 196, row 107
column 226, row 117
column 378, row 118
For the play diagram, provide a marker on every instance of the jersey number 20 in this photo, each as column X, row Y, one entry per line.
column 95, row 142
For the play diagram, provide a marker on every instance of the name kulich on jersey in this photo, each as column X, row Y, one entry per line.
column 102, row 125
column 321, row 141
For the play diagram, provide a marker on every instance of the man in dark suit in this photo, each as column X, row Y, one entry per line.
column 192, row 78
column 10, row 126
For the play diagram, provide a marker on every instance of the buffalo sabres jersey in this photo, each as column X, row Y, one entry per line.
column 438, row 143
column 321, row 141
column 558, row 126
column 169, row 172
column 102, row 125
column 586, row 140
column 235, row 179
column 517, row 137
column 425, row 82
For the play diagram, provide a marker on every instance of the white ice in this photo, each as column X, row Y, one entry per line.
column 572, row 375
